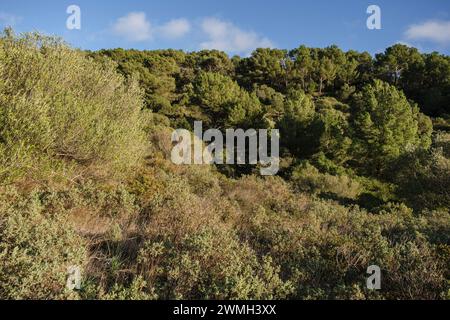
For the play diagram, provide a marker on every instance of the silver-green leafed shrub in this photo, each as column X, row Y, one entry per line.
column 36, row 249
column 57, row 105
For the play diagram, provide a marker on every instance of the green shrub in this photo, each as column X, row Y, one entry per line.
column 58, row 105
column 424, row 179
column 36, row 249
column 210, row 264
column 442, row 141
column 307, row 178
column 324, row 250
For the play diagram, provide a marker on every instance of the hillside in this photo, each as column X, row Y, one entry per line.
column 86, row 177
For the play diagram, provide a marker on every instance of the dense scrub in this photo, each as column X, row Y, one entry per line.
column 86, row 176
column 60, row 108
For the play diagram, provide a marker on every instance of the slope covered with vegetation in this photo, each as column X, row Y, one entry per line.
column 86, row 178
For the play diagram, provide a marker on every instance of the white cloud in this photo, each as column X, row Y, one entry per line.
column 221, row 35
column 175, row 28
column 434, row 31
column 7, row 19
column 134, row 27
column 226, row 36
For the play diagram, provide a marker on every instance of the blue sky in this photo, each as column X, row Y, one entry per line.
column 236, row 26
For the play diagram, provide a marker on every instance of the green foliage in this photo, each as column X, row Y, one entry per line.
column 210, row 264
column 395, row 61
column 424, row 179
column 57, row 105
column 222, row 99
column 272, row 101
column 211, row 61
column 332, row 128
column 154, row 70
column 307, row 178
column 86, row 178
column 265, row 66
column 311, row 128
column 298, row 116
column 424, row 77
column 385, row 126
column 324, row 248
column 37, row 247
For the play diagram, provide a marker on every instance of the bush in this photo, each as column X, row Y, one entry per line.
column 424, row 179
column 37, row 247
column 183, row 246
column 307, row 178
column 56, row 105
column 324, row 250
column 210, row 264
